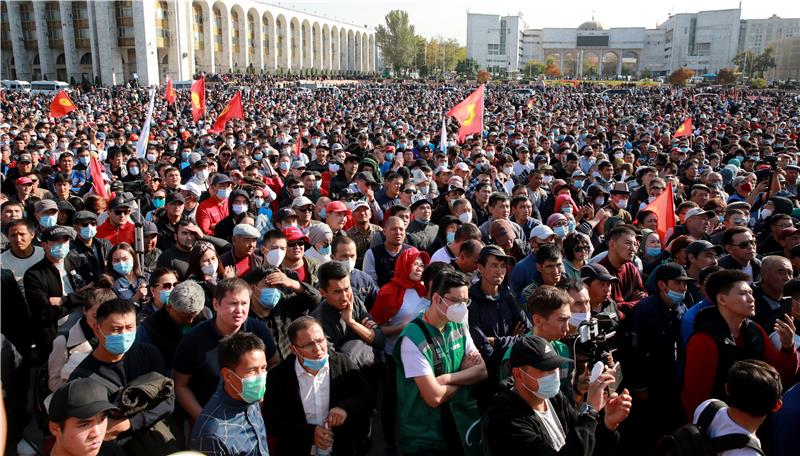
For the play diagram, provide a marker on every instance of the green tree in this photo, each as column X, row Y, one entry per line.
column 646, row 74
column 397, row 41
column 755, row 65
column 533, row 68
column 467, row 67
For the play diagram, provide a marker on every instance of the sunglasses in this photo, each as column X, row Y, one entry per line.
column 295, row 244
column 409, row 191
column 305, row 208
column 582, row 248
column 745, row 244
column 122, row 211
column 168, row 285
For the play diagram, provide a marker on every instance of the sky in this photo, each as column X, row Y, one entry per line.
column 448, row 19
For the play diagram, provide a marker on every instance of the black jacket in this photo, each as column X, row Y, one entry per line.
column 285, row 417
column 511, row 427
column 42, row 282
column 728, row 262
column 95, row 256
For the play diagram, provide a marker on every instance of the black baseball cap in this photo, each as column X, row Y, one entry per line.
column 81, row 398
column 495, row 251
column 57, row 232
column 696, row 247
column 536, row 352
column 175, row 197
column 594, row 271
column 672, row 271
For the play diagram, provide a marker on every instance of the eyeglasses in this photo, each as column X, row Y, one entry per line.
column 745, row 244
column 318, row 343
column 295, row 244
column 168, row 285
column 466, row 302
column 305, row 208
column 119, row 212
column 581, row 248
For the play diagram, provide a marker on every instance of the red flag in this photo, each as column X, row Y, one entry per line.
column 234, row 110
column 97, row 177
column 469, row 114
column 298, row 148
column 685, row 129
column 169, row 93
column 664, row 207
column 198, row 98
column 61, row 105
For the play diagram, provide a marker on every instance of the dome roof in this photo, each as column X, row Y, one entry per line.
column 591, row 25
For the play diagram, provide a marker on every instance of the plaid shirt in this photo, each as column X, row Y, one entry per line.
column 228, row 426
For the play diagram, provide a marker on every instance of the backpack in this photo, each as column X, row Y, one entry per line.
column 693, row 439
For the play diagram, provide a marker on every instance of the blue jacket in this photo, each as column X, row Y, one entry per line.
column 523, row 274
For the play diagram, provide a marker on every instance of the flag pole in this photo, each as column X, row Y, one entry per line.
column 480, row 135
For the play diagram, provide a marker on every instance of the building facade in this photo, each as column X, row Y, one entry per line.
column 116, row 41
column 705, row 41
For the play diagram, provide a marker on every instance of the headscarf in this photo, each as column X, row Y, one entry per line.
column 390, row 296
column 646, row 233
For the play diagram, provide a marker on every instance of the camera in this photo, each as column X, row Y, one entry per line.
column 597, row 337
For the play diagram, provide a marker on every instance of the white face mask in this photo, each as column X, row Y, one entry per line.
column 275, row 257
column 202, row 175
column 297, row 192
column 465, row 217
column 239, row 208
column 210, row 269
column 457, row 313
column 349, row 264
column 577, row 318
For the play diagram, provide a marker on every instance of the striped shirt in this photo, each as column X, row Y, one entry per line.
column 229, row 426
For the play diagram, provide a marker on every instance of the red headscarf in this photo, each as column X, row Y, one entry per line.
column 390, row 296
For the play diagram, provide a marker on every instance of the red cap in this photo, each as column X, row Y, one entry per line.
column 133, row 137
column 24, row 180
column 336, row 206
column 294, row 233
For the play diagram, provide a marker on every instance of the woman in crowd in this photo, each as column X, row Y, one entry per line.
column 129, row 281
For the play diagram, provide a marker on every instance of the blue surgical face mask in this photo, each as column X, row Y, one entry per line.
column 88, row 231
column 675, row 296
column 578, row 184
column 549, row 385
column 284, row 166
column 566, row 210
column 315, row 364
column 60, row 251
column 123, row 267
column 389, row 156
column 118, row 344
column 652, row 252
column 326, row 250
column 46, row 221
column 451, row 237
column 158, row 203
column 560, row 231
column 163, row 295
column 223, row 193
column 258, row 157
column 84, row 161
column 269, row 297
column 322, row 213
column 134, row 170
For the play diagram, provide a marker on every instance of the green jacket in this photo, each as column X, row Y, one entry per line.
column 420, row 426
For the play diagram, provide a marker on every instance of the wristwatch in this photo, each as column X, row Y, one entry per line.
column 587, row 410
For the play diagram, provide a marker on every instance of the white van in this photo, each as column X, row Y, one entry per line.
column 48, row 87
column 183, row 85
column 16, row 85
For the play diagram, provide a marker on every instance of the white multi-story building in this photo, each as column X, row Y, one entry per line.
column 705, row 42
column 116, row 41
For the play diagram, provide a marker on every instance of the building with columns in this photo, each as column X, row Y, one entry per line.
column 705, row 41
column 115, row 41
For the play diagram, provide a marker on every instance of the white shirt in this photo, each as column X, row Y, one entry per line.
column 442, row 256
column 315, row 392
column 18, row 266
column 520, row 168
column 415, row 364
column 412, row 305
column 66, row 286
column 553, row 426
column 723, row 424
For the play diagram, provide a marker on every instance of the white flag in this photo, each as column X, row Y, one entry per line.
column 443, row 138
column 141, row 144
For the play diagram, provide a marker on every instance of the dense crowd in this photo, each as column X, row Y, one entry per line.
column 337, row 274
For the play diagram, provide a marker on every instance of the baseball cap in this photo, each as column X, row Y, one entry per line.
column 81, row 398
column 786, row 232
column 336, row 206
column 536, row 352
column 175, row 197
column 301, row 201
column 495, row 251
column 246, row 231
column 284, row 213
column 359, row 203
column 594, row 271
column 696, row 247
column 294, row 233
column 367, row 177
column 24, row 181
column 56, row 232
column 220, row 179
column 699, row 211
column 24, row 158
column 542, row 232
column 118, row 202
column 672, row 271
column 298, row 164
column 419, row 203
column 45, row 205
column 149, row 228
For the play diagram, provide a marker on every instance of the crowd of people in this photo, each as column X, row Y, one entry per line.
column 337, row 273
